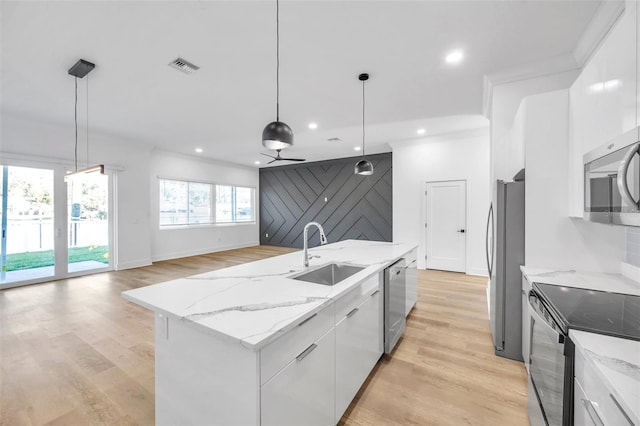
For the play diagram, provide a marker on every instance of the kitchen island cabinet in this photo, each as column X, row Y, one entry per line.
column 250, row 345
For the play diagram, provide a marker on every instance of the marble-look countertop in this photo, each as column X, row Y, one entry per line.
column 256, row 302
column 617, row 363
column 615, row 283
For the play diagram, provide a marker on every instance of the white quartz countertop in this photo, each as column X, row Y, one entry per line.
column 615, row 283
column 617, row 362
column 255, row 302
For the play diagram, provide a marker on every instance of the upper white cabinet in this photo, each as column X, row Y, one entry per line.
column 412, row 280
column 603, row 99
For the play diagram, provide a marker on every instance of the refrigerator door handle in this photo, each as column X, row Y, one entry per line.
column 489, row 252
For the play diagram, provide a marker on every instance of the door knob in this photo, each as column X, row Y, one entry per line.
column 461, row 231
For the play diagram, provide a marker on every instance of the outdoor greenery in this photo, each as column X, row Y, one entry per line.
column 37, row 259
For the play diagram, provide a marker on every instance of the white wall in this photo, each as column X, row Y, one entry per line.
column 553, row 240
column 128, row 160
column 188, row 241
column 136, row 167
column 459, row 156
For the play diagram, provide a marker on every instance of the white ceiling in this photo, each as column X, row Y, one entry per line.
column 224, row 106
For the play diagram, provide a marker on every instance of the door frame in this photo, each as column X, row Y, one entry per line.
column 61, row 256
column 466, row 219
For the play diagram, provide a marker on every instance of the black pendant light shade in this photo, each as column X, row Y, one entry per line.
column 277, row 135
column 364, row 166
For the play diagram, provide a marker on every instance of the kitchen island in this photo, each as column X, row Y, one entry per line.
column 251, row 345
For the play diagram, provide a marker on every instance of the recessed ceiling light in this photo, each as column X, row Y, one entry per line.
column 422, row 131
column 256, row 162
column 454, row 57
column 357, row 148
column 199, row 150
column 313, row 126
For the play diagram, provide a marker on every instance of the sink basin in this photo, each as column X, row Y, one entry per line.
column 330, row 274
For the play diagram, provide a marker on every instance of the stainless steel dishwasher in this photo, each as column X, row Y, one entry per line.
column 394, row 303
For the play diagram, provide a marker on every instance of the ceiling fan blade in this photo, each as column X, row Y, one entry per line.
column 294, row 159
column 274, row 159
column 268, row 155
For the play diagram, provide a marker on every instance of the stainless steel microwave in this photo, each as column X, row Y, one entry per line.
column 612, row 181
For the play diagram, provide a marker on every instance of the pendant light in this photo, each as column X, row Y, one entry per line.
column 363, row 167
column 277, row 135
column 79, row 70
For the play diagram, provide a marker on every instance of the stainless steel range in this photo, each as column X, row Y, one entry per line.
column 555, row 310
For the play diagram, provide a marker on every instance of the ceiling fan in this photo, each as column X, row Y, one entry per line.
column 278, row 158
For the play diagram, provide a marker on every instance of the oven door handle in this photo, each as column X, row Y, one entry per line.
column 557, row 335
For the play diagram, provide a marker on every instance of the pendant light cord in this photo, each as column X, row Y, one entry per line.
column 87, row 121
column 363, row 118
column 75, row 121
column 277, row 60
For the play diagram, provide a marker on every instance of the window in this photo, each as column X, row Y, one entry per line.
column 189, row 203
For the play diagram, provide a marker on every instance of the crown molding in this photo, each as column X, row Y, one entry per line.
column 550, row 66
column 604, row 19
column 602, row 22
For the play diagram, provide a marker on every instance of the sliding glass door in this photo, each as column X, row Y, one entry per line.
column 39, row 233
column 88, row 222
column 27, row 224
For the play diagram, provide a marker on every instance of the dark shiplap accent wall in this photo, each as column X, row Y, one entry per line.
column 357, row 207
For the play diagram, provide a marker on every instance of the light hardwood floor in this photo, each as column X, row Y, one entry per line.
column 73, row 352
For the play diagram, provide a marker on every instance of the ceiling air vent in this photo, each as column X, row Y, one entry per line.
column 334, row 140
column 183, row 65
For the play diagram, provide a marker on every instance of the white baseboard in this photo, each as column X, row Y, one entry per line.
column 630, row 271
column 133, row 264
column 188, row 253
column 479, row 272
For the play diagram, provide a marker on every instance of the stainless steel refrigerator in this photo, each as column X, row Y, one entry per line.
column 505, row 254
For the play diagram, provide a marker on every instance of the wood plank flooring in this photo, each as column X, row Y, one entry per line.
column 73, row 352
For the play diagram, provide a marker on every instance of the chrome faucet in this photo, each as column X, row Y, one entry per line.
column 323, row 240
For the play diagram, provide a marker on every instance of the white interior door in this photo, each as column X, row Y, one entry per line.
column 446, row 232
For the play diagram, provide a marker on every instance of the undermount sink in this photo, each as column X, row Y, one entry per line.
column 330, row 274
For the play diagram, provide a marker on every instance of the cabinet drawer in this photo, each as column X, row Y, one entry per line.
column 281, row 351
column 303, row 392
column 356, row 296
column 595, row 397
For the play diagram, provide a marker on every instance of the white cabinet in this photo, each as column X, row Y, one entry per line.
column 412, row 279
column 303, row 392
column 359, row 345
column 594, row 400
column 311, row 374
column 526, row 321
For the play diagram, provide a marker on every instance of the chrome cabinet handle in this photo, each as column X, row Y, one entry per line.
column 307, row 320
column 621, row 180
column 591, row 411
column 624, row 413
column 375, row 292
column 352, row 312
column 306, row 352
